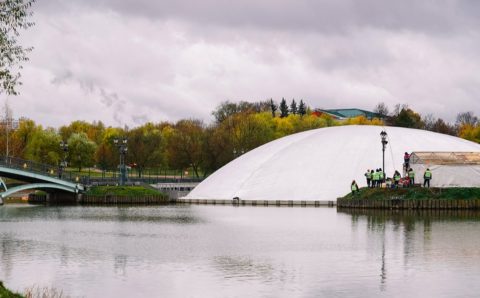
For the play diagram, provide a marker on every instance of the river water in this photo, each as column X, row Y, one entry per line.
column 227, row 251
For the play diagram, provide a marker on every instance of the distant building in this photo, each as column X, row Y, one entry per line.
column 343, row 114
column 10, row 124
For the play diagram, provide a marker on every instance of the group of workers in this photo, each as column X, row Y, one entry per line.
column 376, row 178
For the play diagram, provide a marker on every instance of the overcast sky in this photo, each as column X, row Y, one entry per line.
column 129, row 62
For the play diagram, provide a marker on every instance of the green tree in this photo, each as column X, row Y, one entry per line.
column 106, row 155
column 44, row 147
column 14, row 16
column 283, row 108
column 302, row 109
column 81, row 150
column 185, row 147
column 293, row 107
column 22, row 136
column 273, row 107
column 406, row 117
column 145, row 143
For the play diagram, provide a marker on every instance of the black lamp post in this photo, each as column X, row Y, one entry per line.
column 383, row 135
column 63, row 163
column 122, row 148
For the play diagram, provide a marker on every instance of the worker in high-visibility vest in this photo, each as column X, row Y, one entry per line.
column 427, row 176
column 368, row 175
column 411, row 176
column 354, row 187
column 375, row 177
column 381, row 177
column 396, row 178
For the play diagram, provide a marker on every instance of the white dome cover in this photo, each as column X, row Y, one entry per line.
column 320, row 164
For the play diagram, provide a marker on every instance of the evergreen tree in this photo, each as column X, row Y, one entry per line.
column 293, row 107
column 273, row 107
column 302, row 109
column 283, row 108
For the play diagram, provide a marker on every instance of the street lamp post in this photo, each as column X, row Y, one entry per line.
column 383, row 135
column 122, row 148
column 63, row 163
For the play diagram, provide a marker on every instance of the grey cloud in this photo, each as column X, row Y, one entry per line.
column 62, row 78
column 307, row 15
column 140, row 119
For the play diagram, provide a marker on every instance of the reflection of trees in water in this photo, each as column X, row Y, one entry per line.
column 120, row 264
column 381, row 222
column 246, row 268
column 8, row 248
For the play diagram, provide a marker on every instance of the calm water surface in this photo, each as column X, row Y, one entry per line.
column 225, row 251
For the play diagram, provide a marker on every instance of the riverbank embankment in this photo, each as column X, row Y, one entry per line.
column 412, row 198
column 107, row 195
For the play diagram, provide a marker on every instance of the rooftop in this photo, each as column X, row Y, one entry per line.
column 446, row 158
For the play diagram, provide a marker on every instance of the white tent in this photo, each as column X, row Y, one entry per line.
column 449, row 169
column 320, row 164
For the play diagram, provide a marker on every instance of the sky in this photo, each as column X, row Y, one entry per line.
column 127, row 62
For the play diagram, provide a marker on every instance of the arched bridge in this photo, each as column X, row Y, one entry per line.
column 36, row 176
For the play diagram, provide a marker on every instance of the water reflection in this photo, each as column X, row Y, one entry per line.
column 225, row 251
column 422, row 233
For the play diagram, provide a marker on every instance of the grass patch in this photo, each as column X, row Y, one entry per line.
column 127, row 191
column 6, row 293
column 417, row 193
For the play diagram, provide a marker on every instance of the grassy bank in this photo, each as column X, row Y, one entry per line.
column 6, row 293
column 126, row 191
column 417, row 193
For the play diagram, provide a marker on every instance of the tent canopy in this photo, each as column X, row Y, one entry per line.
column 445, row 158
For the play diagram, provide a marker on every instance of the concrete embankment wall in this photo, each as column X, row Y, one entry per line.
column 256, row 202
column 118, row 200
column 99, row 200
column 409, row 204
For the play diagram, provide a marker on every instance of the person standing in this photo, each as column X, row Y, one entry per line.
column 427, row 176
column 396, row 178
column 406, row 161
column 411, row 176
column 381, row 177
column 354, row 187
column 368, row 175
column 375, row 178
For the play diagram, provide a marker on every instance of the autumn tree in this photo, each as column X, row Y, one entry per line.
column 22, row 136
column 466, row 118
column 14, row 16
column 381, row 109
column 186, row 144
column 406, row 117
column 145, row 143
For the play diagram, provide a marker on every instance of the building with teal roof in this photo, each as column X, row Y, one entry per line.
column 342, row 114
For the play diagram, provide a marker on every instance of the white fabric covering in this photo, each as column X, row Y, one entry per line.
column 449, row 175
column 320, row 164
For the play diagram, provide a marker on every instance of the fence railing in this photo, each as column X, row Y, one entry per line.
column 37, row 168
column 91, row 176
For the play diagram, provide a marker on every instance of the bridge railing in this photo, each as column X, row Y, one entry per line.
column 34, row 167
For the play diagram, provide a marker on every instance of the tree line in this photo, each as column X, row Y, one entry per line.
column 191, row 144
